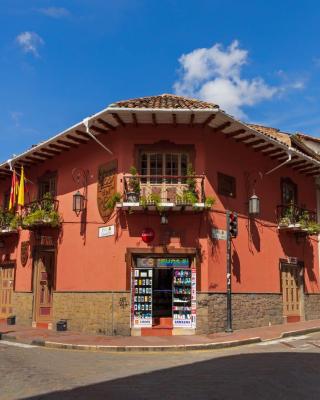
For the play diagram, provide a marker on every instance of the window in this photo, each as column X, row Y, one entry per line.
column 47, row 184
column 6, row 200
column 171, row 165
column 289, row 192
column 226, row 185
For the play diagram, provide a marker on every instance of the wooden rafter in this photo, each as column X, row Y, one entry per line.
column 174, row 119
column 265, row 146
column 255, row 142
column 58, row 147
column 118, row 119
column 67, row 143
column 208, row 120
column 78, row 140
column 221, row 127
column 243, row 138
column 308, row 169
column 154, row 119
column 191, row 119
column 273, row 151
column 277, row 156
column 313, row 173
column 49, row 151
column 106, row 124
column 299, row 165
column 42, row 155
column 292, row 164
column 135, row 119
column 34, row 159
column 99, row 130
column 231, row 134
column 83, row 134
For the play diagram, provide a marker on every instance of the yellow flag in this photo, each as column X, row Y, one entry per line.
column 21, row 189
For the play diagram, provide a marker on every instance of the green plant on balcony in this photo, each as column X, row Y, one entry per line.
column 42, row 213
column 133, row 193
column 8, row 220
column 209, row 202
column 288, row 216
column 313, row 228
column 112, row 201
column 189, row 195
column 153, row 199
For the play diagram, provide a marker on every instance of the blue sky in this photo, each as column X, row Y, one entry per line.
column 61, row 61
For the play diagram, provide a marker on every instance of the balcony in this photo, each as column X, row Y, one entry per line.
column 164, row 193
column 8, row 223
column 41, row 214
column 292, row 218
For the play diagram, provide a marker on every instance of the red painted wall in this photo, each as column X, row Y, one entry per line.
column 89, row 263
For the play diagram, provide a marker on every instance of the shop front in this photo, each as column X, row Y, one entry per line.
column 163, row 295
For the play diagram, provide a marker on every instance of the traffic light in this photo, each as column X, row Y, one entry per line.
column 233, row 224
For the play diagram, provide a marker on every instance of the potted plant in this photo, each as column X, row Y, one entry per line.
column 133, row 194
column 8, row 221
column 42, row 213
column 209, row 202
column 113, row 200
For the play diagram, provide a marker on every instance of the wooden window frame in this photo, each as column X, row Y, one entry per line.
column 285, row 181
column 223, row 192
column 45, row 179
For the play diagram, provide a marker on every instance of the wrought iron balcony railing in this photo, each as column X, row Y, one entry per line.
column 175, row 189
column 293, row 216
column 41, row 213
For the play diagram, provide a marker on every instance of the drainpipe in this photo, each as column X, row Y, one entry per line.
column 280, row 165
column 86, row 124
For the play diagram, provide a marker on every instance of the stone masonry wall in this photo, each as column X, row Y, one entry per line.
column 248, row 310
column 22, row 307
column 93, row 312
column 312, row 306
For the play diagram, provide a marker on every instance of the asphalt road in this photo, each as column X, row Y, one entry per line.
column 287, row 369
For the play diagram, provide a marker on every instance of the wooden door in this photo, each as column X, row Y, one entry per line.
column 6, row 290
column 44, row 266
column 291, row 287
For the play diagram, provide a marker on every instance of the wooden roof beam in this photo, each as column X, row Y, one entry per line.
column 42, row 155
column 118, row 119
column 221, row 127
column 69, row 144
column 277, row 156
column 99, row 130
column 313, row 173
column 83, row 134
column 255, row 142
column 37, row 160
column 135, row 119
column 49, row 151
column 77, row 140
column 191, row 120
column 58, row 147
column 231, row 134
column 273, row 151
column 208, row 120
column 243, row 138
column 154, row 119
column 308, row 169
column 106, row 124
column 292, row 164
column 299, row 165
column 265, row 146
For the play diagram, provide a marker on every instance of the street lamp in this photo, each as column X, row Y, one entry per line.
column 254, row 205
column 78, row 203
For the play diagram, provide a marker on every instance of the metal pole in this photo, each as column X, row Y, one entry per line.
column 229, row 304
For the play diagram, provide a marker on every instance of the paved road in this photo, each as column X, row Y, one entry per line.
column 287, row 369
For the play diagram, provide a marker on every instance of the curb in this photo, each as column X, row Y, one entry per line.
column 167, row 348
column 179, row 347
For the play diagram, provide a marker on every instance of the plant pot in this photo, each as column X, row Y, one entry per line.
column 133, row 197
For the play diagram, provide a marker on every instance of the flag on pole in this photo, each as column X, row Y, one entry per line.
column 21, row 189
column 13, row 191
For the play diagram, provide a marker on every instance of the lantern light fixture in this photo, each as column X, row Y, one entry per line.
column 78, row 203
column 254, row 205
column 164, row 219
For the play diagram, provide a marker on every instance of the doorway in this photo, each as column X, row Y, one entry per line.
column 162, row 293
column 291, row 282
column 43, row 283
column 6, row 290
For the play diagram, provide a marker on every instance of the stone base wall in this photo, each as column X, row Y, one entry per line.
column 248, row 310
column 93, row 312
column 312, row 306
column 22, row 307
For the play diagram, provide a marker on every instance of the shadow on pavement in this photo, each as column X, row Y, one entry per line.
column 269, row 376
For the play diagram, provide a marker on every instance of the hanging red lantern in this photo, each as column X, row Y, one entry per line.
column 147, row 235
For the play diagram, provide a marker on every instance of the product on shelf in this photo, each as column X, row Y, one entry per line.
column 142, row 298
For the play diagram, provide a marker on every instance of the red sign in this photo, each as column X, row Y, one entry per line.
column 147, row 235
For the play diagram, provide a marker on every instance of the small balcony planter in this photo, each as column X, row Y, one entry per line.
column 133, row 197
column 41, row 214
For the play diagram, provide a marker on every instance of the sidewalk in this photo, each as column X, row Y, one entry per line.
column 81, row 341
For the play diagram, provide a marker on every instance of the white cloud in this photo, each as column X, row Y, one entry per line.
column 16, row 117
column 55, row 12
column 214, row 74
column 30, row 42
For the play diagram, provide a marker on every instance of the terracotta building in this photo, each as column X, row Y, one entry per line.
column 124, row 224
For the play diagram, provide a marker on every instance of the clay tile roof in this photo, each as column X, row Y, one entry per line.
column 165, row 101
column 273, row 132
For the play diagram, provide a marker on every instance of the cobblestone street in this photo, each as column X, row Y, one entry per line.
column 279, row 369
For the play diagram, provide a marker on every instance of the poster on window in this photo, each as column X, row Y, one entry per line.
column 142, row 298
column 184, row 298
